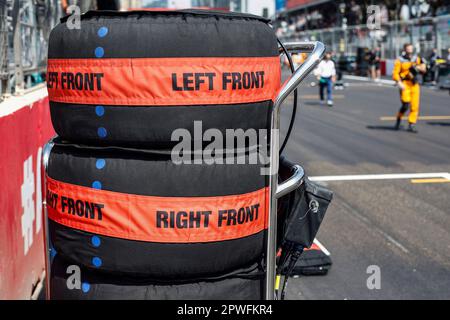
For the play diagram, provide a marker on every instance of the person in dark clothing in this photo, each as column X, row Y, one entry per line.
column 377, row 64
column 433, row 66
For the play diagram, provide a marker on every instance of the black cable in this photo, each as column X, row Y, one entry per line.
column 294, row 109
column 294, row 258
column 286, row 252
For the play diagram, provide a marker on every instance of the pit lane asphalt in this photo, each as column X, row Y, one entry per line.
column 401, row 227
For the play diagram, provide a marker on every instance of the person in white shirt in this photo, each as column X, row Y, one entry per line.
column 326, row 74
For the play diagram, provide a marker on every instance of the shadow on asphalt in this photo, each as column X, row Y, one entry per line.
column 441, row 124
column 385, row 128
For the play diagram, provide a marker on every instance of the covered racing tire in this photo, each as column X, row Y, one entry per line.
column 242, row 284
column 135, row 212
column 133, row 78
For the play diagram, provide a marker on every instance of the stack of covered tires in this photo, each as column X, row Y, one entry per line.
column 136, row 224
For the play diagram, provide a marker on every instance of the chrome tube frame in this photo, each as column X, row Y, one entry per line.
column 317, row 51
column 293, row 183
column 45, row 157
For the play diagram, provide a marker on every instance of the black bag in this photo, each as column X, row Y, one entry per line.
column 313, row 262
column 302, row 211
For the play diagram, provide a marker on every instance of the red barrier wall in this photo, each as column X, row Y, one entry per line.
column 383, row 67
column 25, row 127
column 292, row 4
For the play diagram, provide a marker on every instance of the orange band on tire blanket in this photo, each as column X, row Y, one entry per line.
column 157, row 219
column 163, row 81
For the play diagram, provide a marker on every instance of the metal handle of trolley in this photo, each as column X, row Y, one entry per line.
column 45, row 158
column 317, row 51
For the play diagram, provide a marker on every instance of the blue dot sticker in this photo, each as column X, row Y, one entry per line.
column 99, row 52
column 100, row 111
column 102, row 32
column 97, row 185
column 102, row 133
column 85, row 287
column 100, row 164
column 53, row 252
column 96, row 262
column 96, row 241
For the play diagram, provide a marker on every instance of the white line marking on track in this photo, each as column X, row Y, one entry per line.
column 365, row 79
column 365, row 177
column 322, row 247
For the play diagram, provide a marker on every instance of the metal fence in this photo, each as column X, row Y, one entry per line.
column 24, row 31
column 425, row 34
column 4, row 33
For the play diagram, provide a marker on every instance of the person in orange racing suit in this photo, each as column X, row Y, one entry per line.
column 406, row 71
